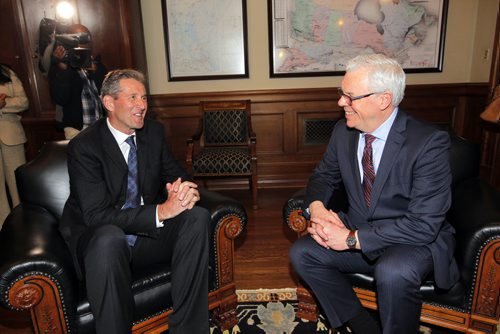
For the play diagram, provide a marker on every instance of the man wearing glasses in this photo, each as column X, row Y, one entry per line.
column 395, row 170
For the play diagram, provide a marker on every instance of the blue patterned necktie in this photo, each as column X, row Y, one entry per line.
column 133, row 198
column 368, row 169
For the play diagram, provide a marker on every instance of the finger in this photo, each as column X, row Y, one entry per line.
column 311, row 230
column 191, row 205
column 336, row 217
column 191, row 197
column 321, row 233
column 320, row 241
column 188, row 185
column 177, row 184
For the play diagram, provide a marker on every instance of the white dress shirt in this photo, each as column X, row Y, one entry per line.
column 120, row 138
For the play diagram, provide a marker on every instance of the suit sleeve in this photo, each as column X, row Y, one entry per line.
column 171, row 168
column 418, row 216
column 94, row 194
column 326, row 177
column 17, row 101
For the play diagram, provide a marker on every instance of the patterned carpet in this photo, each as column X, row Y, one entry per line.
column 266, row 311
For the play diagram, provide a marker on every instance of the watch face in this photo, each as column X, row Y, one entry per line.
column 351, row 242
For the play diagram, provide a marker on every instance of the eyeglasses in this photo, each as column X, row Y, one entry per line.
column 350, row 99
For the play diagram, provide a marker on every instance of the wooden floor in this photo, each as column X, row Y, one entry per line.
column 261, row 253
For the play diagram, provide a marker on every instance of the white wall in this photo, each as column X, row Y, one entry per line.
column 469, row 32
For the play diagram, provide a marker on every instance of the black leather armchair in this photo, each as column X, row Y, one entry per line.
column 473, row 304
column 37, row 273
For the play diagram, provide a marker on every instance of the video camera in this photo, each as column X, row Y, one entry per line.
column 52, row 34
column 76, row 56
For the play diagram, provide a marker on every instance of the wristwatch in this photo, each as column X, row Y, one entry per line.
column 351, row 240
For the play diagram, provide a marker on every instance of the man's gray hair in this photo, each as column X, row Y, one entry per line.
column 384, row 74
column 111, row 83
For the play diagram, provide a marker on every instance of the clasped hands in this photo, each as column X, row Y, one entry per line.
column 327, row 229
column 182, row 195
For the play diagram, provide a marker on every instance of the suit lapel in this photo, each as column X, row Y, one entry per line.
column 112, row 149
column 353, row 142
column 395, row 141
column 118, row 165
column 142, row 155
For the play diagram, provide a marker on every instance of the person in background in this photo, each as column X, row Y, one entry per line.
column 74, row 86
column 13, row 100
column 132, row 206
column 396, row 173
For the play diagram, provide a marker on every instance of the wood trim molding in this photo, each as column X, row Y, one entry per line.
column 280, row 118
column 279, row 115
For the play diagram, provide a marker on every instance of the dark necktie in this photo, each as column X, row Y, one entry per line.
column 133, row 198
column 368, row 169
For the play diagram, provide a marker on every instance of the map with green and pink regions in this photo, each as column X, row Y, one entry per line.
column 322, row 35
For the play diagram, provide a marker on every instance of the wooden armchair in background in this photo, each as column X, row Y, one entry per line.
column 227, row 143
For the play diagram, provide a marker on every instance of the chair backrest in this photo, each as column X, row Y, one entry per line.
column 225, row 123
column 464, row 159
column 44, row 181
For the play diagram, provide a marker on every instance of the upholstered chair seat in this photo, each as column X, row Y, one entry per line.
column 223, row 161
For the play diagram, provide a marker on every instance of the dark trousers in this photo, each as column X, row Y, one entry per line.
column 398, row 274
column 109, row 262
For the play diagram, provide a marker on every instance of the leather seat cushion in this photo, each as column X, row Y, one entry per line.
column 152, row 292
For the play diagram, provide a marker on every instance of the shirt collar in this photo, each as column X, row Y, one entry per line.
column 119, row 136
column 382, row 132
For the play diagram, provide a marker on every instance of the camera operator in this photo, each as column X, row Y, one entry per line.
column 75, row 80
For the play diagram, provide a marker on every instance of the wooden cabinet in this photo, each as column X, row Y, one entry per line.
column 116, row 29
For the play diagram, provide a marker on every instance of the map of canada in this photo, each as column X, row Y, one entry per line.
column 322, row 35
column 205, row 37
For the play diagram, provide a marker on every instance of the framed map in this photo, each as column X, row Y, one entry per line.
column 318, row 37
column 205, row 39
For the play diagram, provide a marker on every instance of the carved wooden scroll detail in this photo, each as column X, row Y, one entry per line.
column 40, row 295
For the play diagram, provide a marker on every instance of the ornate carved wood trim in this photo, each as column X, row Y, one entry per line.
column 40, row 295
column 230, row 229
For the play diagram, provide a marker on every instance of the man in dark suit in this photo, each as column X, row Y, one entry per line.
column 111, row 238
column 398, row 193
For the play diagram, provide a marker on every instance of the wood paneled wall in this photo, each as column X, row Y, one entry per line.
column 116, row 28
column 279, row 118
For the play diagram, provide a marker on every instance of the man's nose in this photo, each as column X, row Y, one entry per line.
column 342, row 102
column 141, row 103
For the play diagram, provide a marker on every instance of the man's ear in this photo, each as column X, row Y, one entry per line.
column 385, row 100
column 108, row 102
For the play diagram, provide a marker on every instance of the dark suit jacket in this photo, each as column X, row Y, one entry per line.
column 98, row 181
column 410, row 196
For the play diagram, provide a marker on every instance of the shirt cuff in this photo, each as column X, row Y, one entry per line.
column 158, row 222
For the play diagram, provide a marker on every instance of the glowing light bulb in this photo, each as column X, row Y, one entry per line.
column 65, row 10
